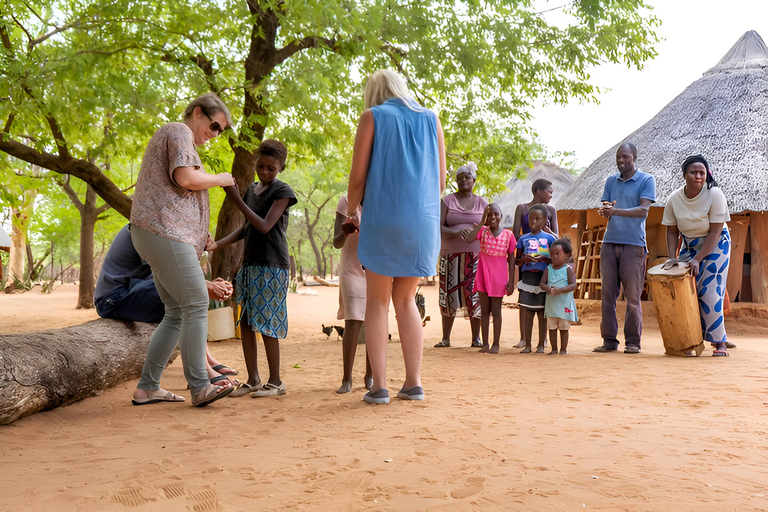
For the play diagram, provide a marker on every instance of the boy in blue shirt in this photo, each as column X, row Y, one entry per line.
column 533, row 255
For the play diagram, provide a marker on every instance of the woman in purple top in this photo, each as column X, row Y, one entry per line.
column 459, row 213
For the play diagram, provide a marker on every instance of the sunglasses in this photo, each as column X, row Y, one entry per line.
column 214, row 126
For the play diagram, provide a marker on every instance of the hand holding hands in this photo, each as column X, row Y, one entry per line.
column 210, row 244
column 463, row 233
column 226, row 179
column 231, row 189
column 219, row 289
column 351, row 224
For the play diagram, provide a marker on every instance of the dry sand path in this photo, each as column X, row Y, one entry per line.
column 509, row 432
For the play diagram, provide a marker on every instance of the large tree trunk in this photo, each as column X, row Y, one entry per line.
column 18, row 250
column 46, row 369
column 312, row 243
column 88, row 217
column 225, row 262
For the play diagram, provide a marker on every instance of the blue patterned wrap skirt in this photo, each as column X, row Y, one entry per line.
column 710, row 283
column 262, row 292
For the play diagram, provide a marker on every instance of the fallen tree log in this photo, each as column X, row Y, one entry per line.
column 46, row 369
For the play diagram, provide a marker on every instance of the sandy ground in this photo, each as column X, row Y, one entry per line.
column 509, row 432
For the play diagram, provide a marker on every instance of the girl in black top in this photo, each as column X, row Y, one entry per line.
column 262, row 282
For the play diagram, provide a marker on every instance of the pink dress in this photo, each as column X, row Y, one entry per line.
column 493, row 268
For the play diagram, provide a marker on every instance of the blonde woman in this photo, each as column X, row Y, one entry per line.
column 169, row 229
column 398, row 164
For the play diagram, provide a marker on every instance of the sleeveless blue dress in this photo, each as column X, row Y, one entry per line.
column 400, row 226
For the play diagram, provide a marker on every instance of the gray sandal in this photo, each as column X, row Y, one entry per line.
column 210, row 394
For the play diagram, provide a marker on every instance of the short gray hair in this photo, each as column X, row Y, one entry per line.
column 209, row 103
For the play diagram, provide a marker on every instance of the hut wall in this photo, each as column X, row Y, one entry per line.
column 759, row 256
column 747, row 232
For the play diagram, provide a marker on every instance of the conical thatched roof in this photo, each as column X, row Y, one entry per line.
column 723, row 116
column 520, row 190
column 5, row 240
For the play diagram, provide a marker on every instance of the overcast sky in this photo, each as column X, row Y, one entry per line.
column 696, row 35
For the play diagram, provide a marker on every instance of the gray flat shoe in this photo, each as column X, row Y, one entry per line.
column 243, row 389
column 632, row 350
column 379, row 397
column 414, row 393
column 270, row 390
column 603, row 349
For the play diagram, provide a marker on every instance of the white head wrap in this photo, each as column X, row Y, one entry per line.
column 470, row 168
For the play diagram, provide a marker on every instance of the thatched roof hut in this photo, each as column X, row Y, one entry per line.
column 520, row 189
column 724, row 116
column 5, row 240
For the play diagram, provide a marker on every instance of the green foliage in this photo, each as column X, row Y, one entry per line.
column 93, row 80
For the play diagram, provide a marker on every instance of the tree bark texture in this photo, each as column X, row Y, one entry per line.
column 46, row 369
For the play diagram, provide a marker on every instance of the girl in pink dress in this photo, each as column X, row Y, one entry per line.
column 495, row 271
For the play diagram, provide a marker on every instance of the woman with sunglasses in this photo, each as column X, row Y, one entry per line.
column 169, row 229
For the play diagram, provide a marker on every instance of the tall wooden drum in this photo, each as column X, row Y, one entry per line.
column 677, row 308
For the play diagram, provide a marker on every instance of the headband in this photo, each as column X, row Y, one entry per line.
column 470, row 168
column 696, row 159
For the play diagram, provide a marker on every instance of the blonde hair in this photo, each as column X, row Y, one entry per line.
column 383, row 85
column 209, row 103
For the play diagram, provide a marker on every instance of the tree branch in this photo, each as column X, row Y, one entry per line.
column 71, row 194
column 52, row 33
column 24, row 29
column 78, row 168
column 296, row 46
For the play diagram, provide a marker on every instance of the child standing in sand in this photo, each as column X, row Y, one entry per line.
column 542, row 194
column 495, row 271
column 262, row 282
column 533, row 255
column 559, row 282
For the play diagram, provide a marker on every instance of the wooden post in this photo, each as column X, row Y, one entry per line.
column 759, row 241
column 739, row 226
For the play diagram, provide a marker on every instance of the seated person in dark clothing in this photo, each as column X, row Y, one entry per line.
column 126, row 291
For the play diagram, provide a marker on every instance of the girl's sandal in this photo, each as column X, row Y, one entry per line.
column 244, row 388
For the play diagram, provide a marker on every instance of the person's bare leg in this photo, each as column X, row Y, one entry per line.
column 378, row 294
column 496, row 312
column 553, row 340
column 447, row 328
column 409, row 327
column 563, row 341
column 542, row 332
column 528, row 329
column 485, row 320
column 368, row 378
column 272, row 349
column 348, row 350
column 521, row 343
column 248, row 339
column 474, row 324
column 212, row 361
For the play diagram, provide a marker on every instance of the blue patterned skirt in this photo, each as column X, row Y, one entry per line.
column 261, row 292
column 710, row 283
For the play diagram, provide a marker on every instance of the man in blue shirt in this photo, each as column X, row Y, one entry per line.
column 627, row 197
